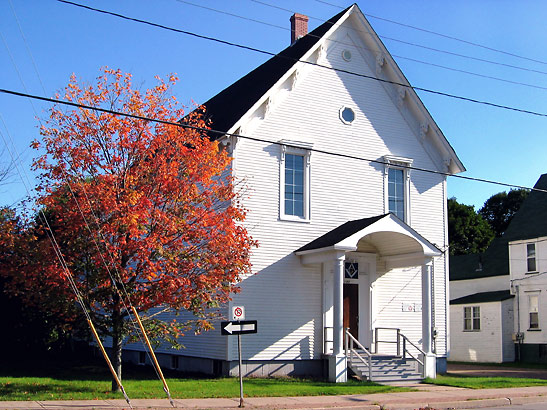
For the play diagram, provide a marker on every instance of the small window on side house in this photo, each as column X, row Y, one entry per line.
column 472, row 318
column 174, row 362
column 531, row 257
column 533, row 309
column 142, row 357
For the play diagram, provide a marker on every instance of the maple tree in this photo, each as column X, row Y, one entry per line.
column 145, row 213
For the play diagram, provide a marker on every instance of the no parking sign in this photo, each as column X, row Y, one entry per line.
column 238, row 313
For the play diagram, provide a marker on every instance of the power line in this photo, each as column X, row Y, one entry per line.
column 393, row 55
column 408, row 42
column 223, row 133
column 426, row 90
column 441, row 35
column 50, row 231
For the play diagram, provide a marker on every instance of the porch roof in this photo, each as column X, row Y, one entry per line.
column 386, row 232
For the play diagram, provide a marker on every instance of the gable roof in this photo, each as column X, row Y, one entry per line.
column 530, row 221
column 228, row 106
column 347, row 236
column 483, row 297
column 340, row 233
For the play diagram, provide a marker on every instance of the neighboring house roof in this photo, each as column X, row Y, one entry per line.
column 483, row 297
column 228, row 106
column 529, row 222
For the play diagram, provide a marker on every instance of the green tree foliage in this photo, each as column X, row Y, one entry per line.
column 468, row 232
column 499, row 209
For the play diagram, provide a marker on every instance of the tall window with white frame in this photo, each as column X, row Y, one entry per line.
column 533, row 309
column 295, row 184
column 397, row 186
column 472, row 318
column 396, row 192
column 531, row 257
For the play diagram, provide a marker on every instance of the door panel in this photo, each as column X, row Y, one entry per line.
column 351, row 308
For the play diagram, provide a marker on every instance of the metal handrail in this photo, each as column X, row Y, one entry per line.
column 405, row 350
column 377, row 340
column 349, row 341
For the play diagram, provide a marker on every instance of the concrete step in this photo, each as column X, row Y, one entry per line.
column 387, row 369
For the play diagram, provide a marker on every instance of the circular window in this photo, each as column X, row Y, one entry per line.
column 346, row 55
column 347, row 115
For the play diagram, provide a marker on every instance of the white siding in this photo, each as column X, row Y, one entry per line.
column 507, row 324
column 285, row 296
column 477, row 346
column 390, row 291
column 525, row 284
column 210, row 344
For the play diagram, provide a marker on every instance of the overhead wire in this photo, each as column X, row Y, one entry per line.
column 220, row 133
column 65, row 269
column 425, row 90
column 49, row 231
column 443, row 35
column 444, row 67
column 44, row 218
column 438, row 50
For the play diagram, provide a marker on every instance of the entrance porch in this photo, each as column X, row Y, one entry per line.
column 364, row 263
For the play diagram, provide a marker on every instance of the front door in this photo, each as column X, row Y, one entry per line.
column 351, row 308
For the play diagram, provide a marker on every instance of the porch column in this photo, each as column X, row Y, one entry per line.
column 338, row 301
column 429, row 357
column 337, row 362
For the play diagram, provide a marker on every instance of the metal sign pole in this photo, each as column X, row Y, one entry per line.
column 240, row 372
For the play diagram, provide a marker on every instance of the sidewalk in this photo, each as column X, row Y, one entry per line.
column 436, row 397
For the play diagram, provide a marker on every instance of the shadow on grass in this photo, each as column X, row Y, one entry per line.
column 17, row 388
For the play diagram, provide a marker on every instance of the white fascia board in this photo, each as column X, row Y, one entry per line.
column 333, row 248
column 529, row 240
column 290, row 71
column 322, row 255
column 397, row 76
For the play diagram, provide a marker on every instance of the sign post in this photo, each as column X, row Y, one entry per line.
column 238, row 326
column 240, row 372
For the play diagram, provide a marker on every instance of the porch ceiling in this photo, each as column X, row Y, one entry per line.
column 389, row 244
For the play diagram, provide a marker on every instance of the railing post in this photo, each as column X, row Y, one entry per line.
column 404, row 348
column 346, row 340
column 398, row 342
column 376, row 340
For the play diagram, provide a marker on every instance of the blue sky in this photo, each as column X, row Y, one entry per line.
column 492, row 143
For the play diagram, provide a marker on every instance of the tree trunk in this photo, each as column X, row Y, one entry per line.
column 117, row 339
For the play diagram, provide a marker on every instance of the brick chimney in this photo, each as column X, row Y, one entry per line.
column 299, row 26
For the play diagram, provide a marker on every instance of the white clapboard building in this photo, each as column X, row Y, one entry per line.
column 498, row 300
column 330, row 138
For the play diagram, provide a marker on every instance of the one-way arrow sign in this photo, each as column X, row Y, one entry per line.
column 238, row 327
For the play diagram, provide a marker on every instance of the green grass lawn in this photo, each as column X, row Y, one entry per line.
column 485, row 382
column 69, row 381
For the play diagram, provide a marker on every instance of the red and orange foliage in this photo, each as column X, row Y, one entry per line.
column 140, row 209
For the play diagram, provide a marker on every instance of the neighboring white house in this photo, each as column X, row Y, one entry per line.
column 350, row 235
column 481, row 326
column 504, row 291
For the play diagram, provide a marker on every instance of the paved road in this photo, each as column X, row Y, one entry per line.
column 496, row 371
